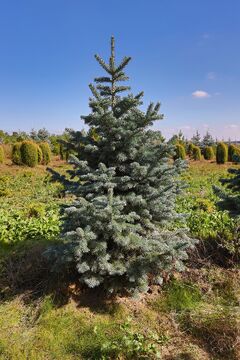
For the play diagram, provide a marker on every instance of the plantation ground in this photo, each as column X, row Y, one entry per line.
column 194, row 315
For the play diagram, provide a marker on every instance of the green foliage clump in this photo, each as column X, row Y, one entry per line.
column 178, row 296
column 29, row 153
column 2, row 156
column 61, row 152
column 196, row 153
column 46, row 153
column 40, row 154
column 208, row 153
column 210, row 225
column 214, row 147
column 125, row 187
column 222, row 153
column 180, row 152
column 133, row 344
column 217, row 228
column 35, row 223
column 190, row 148
column 233, row 151
column 204, row 204
column 16, row 153
column 230, row 200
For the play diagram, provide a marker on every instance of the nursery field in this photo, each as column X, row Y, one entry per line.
column 194, row 315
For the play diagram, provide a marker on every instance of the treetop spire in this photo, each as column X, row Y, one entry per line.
column 116, row 74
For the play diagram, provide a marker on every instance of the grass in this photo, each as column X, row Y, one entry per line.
column 178, row 296
column 192, row 317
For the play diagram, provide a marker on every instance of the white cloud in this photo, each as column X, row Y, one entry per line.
column 233, row 126
column 211, row 75
column 200, row 94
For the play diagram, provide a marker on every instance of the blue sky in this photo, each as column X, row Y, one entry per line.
column 185, row 54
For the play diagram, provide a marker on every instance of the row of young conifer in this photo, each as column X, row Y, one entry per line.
column 222, row 152
column 30, row 153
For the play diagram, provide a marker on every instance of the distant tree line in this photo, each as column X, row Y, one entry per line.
column 55, row 141
column 205, row 147
column 196, row 148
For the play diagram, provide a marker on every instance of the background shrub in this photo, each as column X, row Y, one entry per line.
column 214, row 147
column 46, row 153
column 190, row 149
column 16, row 153
column 40, row 154
column 196, row 153
column 208, row 153
column 7, row 149
column 222, row 153
column 29, row 153
column 233, row 151
column 61, row 152
column 2, row 156
column 180, row 152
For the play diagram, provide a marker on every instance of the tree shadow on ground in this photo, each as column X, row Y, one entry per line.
column 25, row 273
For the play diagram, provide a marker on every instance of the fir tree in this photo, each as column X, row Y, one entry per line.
column 230, row 200
column 178, row 139
column 43, row 134
column 196, row 139
column 208, row 140
column 117, row 231
column 34, row 135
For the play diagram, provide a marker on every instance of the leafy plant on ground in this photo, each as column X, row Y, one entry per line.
column 19, row 226
column 132, row 344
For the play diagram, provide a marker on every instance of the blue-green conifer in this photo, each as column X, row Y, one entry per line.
column 117, row 232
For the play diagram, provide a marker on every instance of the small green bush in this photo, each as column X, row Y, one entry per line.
column 233, row 151
column 40, row 154
column 61, row 152
column 180, row 152
column 196, row 153
column 208, row 153
column 2, row 156
column 7, row 149
column 222, row 153
column 214, row 147
column 190, row 149
column 46, row 152
column 16, row 153
column 29, row 153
